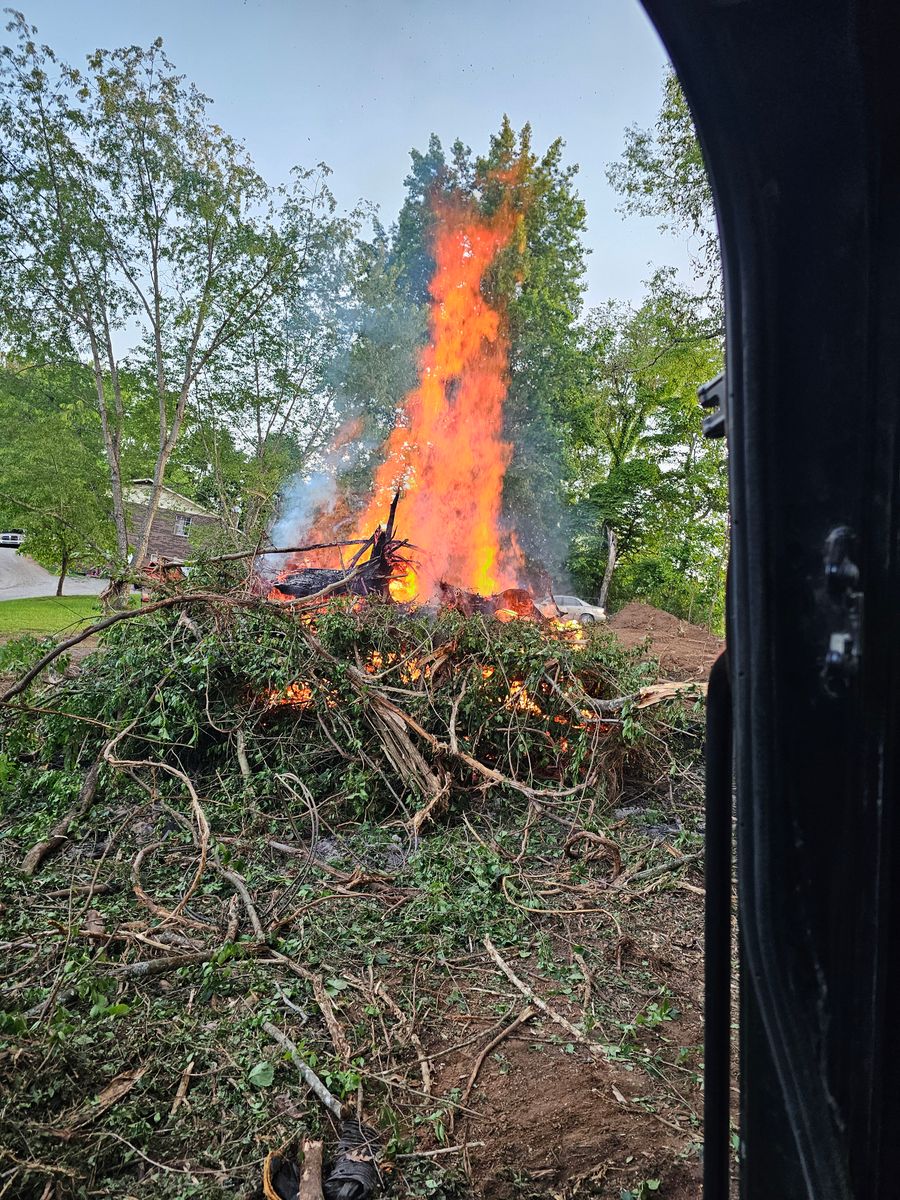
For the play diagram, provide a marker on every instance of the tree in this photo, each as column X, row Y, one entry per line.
column 662, row 173
column 53, row 485
column 273, row 397
column 540, row 282
column 650, row 491
column 127, row 214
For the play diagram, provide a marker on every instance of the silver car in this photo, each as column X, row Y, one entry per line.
column 574, row 609
column 13, row 538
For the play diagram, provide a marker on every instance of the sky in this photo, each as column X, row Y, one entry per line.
column 357, row 83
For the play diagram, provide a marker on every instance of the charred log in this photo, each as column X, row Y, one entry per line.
column 362, row 576
column 508, row 604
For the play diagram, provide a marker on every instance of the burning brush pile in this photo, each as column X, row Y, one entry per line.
column 446, row 457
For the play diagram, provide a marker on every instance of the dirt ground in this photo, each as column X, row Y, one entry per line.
column 552, row 1118
column 685, row 651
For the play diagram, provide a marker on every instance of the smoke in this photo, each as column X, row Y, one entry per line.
column 303, row 499
column 309, row 498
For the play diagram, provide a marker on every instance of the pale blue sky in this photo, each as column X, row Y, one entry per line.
column 356, row 83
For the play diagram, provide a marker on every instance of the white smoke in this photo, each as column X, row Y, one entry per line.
column 303, row 497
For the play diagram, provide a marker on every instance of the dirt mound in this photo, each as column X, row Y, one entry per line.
column 555, row 1119
column 685, row 651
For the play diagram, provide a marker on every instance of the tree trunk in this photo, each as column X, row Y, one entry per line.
column 63, row 568
column 610, row 566
column 111, row 446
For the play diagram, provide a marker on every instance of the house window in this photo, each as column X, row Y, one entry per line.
column 182, row 525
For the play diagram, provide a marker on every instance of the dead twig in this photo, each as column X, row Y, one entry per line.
column 336, row 1033
column 237, row 882
column 183, row 1086
column 545, row 1008
column 307, row 1074
column 241, row 753
column 525, row 1015
column 597, row 849
column 439, row 1151
column 406, row 1022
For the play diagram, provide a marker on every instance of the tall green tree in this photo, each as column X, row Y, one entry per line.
column 127, row 216
column 539, row 281
column 661, row 173
column 52, row 470
column 650, row 491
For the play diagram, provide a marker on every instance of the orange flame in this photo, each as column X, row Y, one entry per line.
column 404, row 588
column 448, row 452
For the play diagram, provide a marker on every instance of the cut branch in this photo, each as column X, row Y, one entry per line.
column 60, row 833
column 307, row 1074
column 536, row 1000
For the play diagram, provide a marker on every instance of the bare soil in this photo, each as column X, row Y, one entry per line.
column 684, row 651
column 556, row 1119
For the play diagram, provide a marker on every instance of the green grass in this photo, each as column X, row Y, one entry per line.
column 44, row 615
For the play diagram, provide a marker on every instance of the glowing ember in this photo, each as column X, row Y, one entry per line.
column 520, row 698
column 447, row 452
column 299, row 694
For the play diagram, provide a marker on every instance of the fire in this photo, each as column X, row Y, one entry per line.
column 447, row 451
column 520, row 698
column 403, row 588
column 298, row 694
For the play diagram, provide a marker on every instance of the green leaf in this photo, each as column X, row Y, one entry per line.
column 262, row 1075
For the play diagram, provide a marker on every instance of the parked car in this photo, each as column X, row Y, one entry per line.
column 574, row 609
column 13, row 538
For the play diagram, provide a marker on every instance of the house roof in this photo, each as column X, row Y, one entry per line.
column 138, row 492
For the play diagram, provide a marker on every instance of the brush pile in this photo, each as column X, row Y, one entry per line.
column 218, row 784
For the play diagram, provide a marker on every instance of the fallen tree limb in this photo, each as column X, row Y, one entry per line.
column 536, row 1000
column 83, row 889
column 664, row 868
column 307, row 1074
column 152, row 967
column 236, row 555
column 60, row 832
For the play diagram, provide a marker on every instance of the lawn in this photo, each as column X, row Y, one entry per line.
column 45, row 615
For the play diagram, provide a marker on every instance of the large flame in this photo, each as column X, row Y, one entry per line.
column 447, row 451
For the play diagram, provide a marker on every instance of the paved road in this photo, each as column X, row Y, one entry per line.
column 21, row 578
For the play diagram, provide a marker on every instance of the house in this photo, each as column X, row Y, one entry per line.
column 174, row 520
